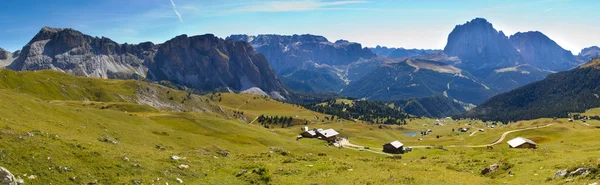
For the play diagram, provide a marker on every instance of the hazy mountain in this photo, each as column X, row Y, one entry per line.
column 561, row 93
column 413, row 78
column 202, row 62
column 480, row 47
column 297, row 58
column 588, row 54
column 401, row 52
column 292, row 51
column 542, row 52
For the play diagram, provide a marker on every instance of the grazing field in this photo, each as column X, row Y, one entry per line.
column 70, row 138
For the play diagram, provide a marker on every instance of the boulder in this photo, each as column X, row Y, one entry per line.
column 7, row 178
column 560, row 174
column 579, row 171
column 490, row 169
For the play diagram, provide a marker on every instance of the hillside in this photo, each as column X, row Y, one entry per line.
column 433, row 107
column 90, row 131
column 556, row 96
column 411, row 78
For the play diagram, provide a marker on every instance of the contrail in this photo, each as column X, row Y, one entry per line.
column 176, row 12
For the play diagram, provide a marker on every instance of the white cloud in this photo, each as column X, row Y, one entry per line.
column 176, row 12
column 287, row 6
column 547, row 10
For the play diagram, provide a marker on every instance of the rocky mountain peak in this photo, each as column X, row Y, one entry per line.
column 542, row 52
column 589, row 53
column 480, row 47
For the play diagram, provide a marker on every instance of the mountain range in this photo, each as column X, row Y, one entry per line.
column 202, row 62
column 486, row 60
column 477, row 63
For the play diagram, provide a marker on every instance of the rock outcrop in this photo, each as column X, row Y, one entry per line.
column 7, row 178
column 542, row 52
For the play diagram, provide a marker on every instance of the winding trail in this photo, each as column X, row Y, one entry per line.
column 346, row 143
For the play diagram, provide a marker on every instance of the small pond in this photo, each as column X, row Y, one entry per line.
column 411, row 134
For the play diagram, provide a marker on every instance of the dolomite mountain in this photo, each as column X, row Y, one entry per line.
column 542, row 52
column 288, row 52
column 203, row 62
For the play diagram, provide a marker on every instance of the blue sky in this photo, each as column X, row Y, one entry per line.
column 574, row 24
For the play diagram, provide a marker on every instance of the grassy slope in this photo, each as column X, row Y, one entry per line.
column 67, row 133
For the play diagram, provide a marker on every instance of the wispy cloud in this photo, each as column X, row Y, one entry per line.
column 176, row 12
column 288, row 6
column 547, row 10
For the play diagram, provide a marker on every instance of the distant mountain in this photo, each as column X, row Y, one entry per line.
column 588, row 54
column 542, row 52
column 401, row 52
column 297, row 58
column 414, row 78
column 293, row 51
column 433, row 106
column 558, row 95
column 202, row 62
column 481, row 48
column 6, row 57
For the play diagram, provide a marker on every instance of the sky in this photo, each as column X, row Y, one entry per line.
column 573, row 24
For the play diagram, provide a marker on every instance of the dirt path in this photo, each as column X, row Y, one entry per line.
column 501, row 137
column 345, row 143
column 473, row 133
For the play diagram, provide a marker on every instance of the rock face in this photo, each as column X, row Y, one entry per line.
column 542, row 52
column 7, row 178
column 207, row 62
column 480, row 47
column 73, row 52
column 202, row 62
column 588, row 54
column 287, row 52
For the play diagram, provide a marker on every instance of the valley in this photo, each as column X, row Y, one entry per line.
column 319, row 92
column 66, row 138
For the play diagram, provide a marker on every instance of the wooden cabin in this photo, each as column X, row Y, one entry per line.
column 394, row 147
column 520, row 142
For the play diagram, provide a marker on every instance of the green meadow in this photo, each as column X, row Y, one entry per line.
column 61, row 129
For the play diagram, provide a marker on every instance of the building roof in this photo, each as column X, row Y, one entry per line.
column 311, row 132
column 396, row 144
column 519, row 141
column 328, row 133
